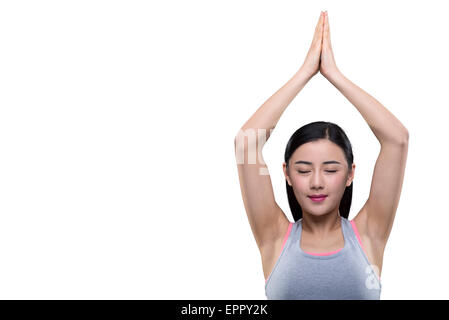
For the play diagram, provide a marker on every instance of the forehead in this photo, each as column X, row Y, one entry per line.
column 318, row 152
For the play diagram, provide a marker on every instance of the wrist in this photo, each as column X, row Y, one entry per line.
column 305, row 73
column 333, row 75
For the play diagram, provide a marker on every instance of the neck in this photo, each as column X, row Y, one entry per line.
column 321, row 226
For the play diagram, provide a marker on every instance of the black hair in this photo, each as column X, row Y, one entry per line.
column 313, row 132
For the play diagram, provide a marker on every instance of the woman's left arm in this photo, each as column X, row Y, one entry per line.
column 376, row 218
column 385, row 126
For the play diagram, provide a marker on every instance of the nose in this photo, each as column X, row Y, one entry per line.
column 316, row 181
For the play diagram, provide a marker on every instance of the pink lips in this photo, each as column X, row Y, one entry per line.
column 317, row 199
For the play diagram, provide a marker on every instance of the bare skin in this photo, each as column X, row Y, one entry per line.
column 321, row 226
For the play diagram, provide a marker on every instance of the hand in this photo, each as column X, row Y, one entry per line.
column 311, row 64
column 327, row 65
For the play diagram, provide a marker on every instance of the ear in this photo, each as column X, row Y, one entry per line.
column 284, row 167
column 350, row 176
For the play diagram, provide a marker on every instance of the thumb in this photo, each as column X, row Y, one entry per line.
column 318, row 36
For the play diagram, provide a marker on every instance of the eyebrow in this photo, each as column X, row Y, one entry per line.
column 325, row 162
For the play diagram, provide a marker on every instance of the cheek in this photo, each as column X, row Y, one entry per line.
column 299, row 183
column 301, row 186
column 336, row 181
column 336, row 184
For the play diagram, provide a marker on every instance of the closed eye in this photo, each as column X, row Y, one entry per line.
column 309, row 171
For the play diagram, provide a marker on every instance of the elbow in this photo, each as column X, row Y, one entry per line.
column 405, row 137
column 241, row 139
column 237, row 142
column 402, row 139
column 402, row 136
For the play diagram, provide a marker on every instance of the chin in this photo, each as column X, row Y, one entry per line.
column 315, row 211
column 318, row 213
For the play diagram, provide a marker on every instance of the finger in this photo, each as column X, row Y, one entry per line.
column 327, row 35
column 319, row 25
column 319, row 28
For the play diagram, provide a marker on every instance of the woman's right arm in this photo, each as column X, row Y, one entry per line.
column 267, row 220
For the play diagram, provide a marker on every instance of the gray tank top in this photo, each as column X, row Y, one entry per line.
column 338, row 275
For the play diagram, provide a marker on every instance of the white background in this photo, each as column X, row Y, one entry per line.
column 118, row 178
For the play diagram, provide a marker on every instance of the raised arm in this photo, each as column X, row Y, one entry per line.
column 265, row 217
column 267, row 221
column 376, row 217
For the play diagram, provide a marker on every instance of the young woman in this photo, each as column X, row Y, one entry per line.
column 322, row 255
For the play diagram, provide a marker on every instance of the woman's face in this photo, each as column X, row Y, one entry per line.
column 318, row 167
